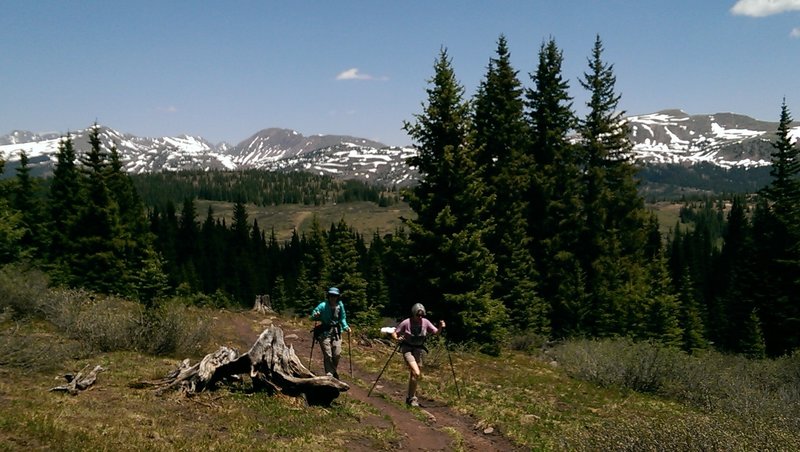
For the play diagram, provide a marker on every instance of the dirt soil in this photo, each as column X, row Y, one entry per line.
column 428, row 435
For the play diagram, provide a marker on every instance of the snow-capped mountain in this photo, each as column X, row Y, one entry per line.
column 724, row 139
column 669, row 137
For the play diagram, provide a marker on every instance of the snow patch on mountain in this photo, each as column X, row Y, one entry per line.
column 666, row 137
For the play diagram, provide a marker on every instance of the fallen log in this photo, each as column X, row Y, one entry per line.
column 79, row 382
column 272, row 366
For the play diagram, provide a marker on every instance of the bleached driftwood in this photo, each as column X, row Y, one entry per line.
column 272, row 366
column 79, row 382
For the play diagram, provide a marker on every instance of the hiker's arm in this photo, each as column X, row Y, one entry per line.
column 343, row 318
column 399, row 333
column 315, row 314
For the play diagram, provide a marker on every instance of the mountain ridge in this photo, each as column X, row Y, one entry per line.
column 666, row 137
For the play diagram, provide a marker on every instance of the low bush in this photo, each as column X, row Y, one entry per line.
column 763, row 391
column 101, row 323
column 23, row 291
column 640, row 366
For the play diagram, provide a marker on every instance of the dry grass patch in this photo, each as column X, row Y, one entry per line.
column 114, row 416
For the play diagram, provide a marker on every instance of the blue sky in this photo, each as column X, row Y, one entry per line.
column 226, row 69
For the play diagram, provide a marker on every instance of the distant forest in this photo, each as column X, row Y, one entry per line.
column 521, row 232
column 261, row 188
column 672, row 182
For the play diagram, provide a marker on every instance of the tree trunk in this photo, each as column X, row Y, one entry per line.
column 272, row 366
column 263, row 304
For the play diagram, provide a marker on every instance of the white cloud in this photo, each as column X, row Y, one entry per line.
column 762, row 8
column 795, row 33
column 353, row 74
column 170, row 109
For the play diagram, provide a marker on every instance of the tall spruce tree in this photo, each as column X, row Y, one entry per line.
column 456, row 270
column 554, row 209
column 315, row 271
column 11, row 230
column 502, row 164
column 778, row 245
column 96, row 257
column 615, row 234
column 187, row 252
column 345, row 274
column 26, row 202
column 63, row 203
column 374, row 270
column 145, row 265
column 660, row 319
column 211, row 262
column 239, row 258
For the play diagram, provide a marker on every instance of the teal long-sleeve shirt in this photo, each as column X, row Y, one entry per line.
column 325, row 315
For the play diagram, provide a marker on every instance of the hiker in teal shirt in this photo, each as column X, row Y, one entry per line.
column 329, row 332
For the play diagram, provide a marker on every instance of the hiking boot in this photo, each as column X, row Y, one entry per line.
column 412, row 401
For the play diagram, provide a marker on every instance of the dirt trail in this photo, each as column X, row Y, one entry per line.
column 428, row 435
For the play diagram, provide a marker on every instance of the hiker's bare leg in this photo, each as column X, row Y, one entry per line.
column 414, row 373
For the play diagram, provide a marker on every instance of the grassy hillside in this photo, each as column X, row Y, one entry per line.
column 579, row 395
column 365, row 217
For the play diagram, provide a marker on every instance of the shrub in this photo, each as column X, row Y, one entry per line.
column 640, row 366
column 22, row 291
column 526, row 341
column 99, row 322
column 171, row 328
column 751, row 390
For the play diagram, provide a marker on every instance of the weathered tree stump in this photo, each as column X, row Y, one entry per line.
column 263, row 304
column 272, row 367
column 79, row 382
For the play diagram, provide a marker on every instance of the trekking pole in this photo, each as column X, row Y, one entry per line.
column 384, row 367
column 453, row 369
column 350, row 352
column 313, row 339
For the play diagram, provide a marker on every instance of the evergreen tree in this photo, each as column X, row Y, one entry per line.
column 187, row 249
column 456, row 270
column 500, row 134
column 137, row 243
column 96, row 259
column 278, row 294
column 401, row 276
column 315, row 272
column 64, row 202
column 375, row 274
column 751, row 342
column 691, row 318
column 211, row 254
column 614, row 236
column 239, row 266
column 784, row 191
column 554, row 210
column 11, row 229
column 25, row 202
column 662, row 311
column 345, row 274
column 730, row 312
column 780, row 256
